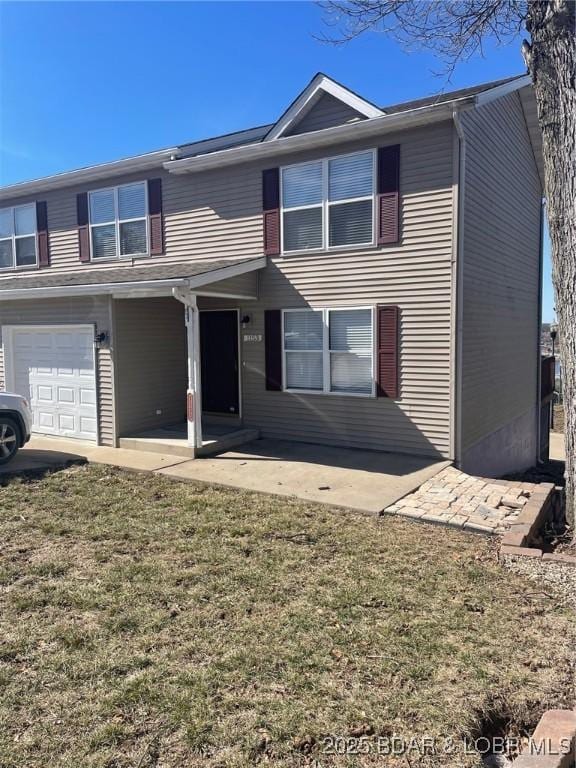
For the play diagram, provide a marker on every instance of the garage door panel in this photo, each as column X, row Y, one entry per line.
column 67, row 396
column 43, row 393
column 55, row 369
column 87, row 396
column 88, row 425
column 45, row 419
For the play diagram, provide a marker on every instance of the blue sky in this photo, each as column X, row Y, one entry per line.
column 99, row 81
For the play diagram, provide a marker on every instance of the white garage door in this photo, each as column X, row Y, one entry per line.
column 54, row 368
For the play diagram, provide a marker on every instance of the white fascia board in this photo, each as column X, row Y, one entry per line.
column 502, row 90
column 85, row 175
column 321, row 84
column 377, row 126
column 223, row 273
column 62, row 291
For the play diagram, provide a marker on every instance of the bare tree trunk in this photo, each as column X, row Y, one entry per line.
column 551, row 60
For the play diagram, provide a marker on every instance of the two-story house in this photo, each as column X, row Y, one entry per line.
column 349, row 275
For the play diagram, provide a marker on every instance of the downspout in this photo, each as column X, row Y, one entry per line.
column 193, row 393
column 538, row 339
column 457, row 288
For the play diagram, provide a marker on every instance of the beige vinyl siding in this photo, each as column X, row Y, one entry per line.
column 242, row 285
column 85, row 311
column 206, row 217
column 500, row 270
column 416, row 275
column 150, row 353
column 326, row 113
column 218, row 214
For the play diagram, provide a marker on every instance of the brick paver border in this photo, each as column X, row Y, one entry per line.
column 523, row 534
column 553, row 742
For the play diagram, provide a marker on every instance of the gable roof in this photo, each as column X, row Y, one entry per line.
column 319, row 85
column 175, row 158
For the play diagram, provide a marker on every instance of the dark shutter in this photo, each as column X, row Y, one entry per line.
column 387, row 370
column 273, row 349
column 271, row 211
column 388, row 195
column 83, row 226
column 42, row 234
column 155, row 217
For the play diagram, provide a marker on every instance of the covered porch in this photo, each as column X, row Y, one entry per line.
column 178, row 365
column 156, row 349
column 174, row 441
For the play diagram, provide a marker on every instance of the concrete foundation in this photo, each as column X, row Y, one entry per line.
column 512, row 448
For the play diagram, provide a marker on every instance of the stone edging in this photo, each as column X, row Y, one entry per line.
column 523, row 534
column 553, row 742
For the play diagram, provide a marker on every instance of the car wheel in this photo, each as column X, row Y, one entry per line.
column 9, row 440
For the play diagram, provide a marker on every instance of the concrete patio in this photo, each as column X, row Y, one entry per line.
column 361, row 480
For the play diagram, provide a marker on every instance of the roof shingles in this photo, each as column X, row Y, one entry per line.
column 118, row 275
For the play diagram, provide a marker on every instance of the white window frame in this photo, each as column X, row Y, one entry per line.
column 117, row 221
column 325, row 205
column 13, row 237
column 326, row 352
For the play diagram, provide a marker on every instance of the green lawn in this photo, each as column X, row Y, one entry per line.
column 145, row 622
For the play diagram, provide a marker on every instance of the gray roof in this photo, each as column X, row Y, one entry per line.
column 133, row 274
column 215, row 143
column 439, row 98
column 236, row 139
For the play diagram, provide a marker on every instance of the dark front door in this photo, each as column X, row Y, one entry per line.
column 219, row 361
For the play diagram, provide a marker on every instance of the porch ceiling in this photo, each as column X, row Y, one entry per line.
column 136, row 279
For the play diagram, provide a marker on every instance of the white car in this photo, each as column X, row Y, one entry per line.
column 15, row 425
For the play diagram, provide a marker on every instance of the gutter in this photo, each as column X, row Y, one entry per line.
column 539, row 341
column 457, row 297
column 325, row 137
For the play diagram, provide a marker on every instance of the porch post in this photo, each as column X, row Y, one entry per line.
column 193, row 393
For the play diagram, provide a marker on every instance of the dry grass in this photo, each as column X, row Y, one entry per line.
column 147, row 623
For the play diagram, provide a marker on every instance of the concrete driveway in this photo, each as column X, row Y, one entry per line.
column 30, row 460
column 362, row 480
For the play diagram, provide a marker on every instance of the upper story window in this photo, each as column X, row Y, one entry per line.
column 328, row 203
column 118, row 221
column 18, row 237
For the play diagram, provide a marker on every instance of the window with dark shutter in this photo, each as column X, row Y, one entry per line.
column 271, row 211
column 83, row 226
column 273, row 349
column 42, row 234
column 156, row 222
column 388, row 201
column 387, row 363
